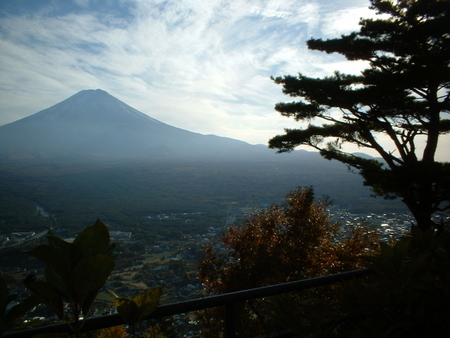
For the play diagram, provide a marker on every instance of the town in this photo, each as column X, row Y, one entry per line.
column 169, row 261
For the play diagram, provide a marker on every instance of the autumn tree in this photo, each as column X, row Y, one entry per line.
column 292, row 241
column 402, row 98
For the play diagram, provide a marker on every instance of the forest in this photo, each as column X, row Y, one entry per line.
column 123, row 194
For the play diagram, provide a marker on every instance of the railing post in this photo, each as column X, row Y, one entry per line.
column 230, row 324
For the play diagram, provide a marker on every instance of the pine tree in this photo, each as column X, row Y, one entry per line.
column 403, row 94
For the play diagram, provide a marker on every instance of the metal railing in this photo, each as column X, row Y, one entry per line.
column 228, row 300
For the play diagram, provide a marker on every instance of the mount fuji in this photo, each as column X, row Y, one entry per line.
column 94, row 152
column 92, row 124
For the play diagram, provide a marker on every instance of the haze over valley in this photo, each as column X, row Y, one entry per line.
column 163, row 192
column 93, row 156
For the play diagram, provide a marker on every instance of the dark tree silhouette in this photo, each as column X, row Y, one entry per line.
column 404, row 95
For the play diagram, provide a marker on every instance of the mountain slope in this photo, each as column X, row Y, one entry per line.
column 94, row 156
column 94, row 124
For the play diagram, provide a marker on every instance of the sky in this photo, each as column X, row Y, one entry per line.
column 203, row 66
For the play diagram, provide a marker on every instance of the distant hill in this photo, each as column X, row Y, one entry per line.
column 94, row 124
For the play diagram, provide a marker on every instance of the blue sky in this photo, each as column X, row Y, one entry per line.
column 204, row 66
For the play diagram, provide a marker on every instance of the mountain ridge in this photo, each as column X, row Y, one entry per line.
column 94, row 124
column 92, row 156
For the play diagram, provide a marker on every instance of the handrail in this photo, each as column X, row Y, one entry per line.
column 228, row 300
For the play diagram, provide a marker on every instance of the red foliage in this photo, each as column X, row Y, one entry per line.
column 292, row 241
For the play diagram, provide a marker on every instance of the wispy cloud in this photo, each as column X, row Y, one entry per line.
column 200, row 65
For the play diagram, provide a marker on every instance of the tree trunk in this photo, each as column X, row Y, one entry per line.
column 421, row 211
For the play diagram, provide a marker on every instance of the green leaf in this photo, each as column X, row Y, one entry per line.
column 62, row 282
column 88, row 301
column 47, row 295
column 91, row 274
column 60, row 259
column 111, row 249
column 48, row 255
column 58, row 243
column 73, row 253
column 148, row 301
column 94, row 239
column 58, row 267
column 22, row 308
column 127, row 309
column 134, row 310
column 74, row 271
